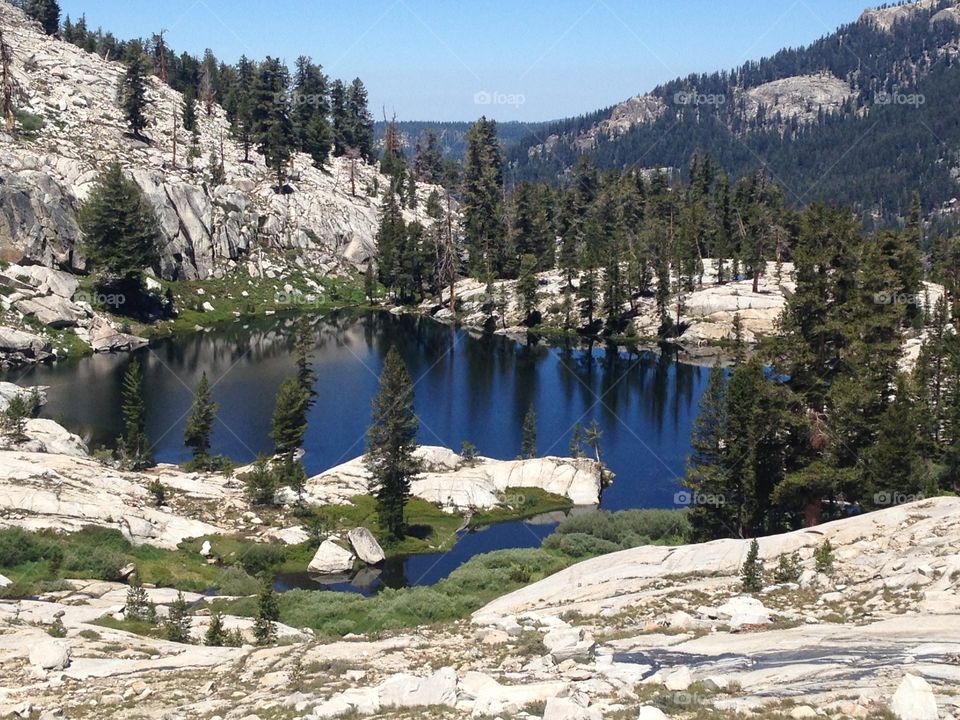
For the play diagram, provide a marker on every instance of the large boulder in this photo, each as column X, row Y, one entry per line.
column 331, row 559
column 914, row 700
column 8, row 391
column 567, row 643
column 47, row 436
column 13, row 340
column 404, row 690
column 50, row 655
column 560, row 708
column 54, row 311
column 366, row 547
column 46, row 281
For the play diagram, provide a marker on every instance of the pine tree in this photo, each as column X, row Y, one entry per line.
column 138, row 605
column 592, row 439
column 134, row 447
column 391, row 444
column 360, row 119
column 119, row 226
column 177, row 626
column 528, row 443
column 200, row 424
column 290, row 416
column 527, row 286
column 268, row 614
column 132, row 95
column 189, row 119
column 19, row 409
column 482, row 192
column 706, row 466
column 576, row 441
column 215, row 636
column 45, row 12
column 751, row 572
column 370, row 282
column 272, row 128
column 303, row 343
column 261, row 482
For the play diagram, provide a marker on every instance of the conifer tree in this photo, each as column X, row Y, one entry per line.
column 268, row 614
column 360, row 119
column 45, row 12
column 272, row 128
column 707, row 465
column 215, row 636
column 177, row 626
column 391, row 443
column 576, row 441
column 527, row 286
column 120, row 229
column 303, row 344
column 483, row 200
column 134, row 447
column 200, row 424
column 751, row 572
column 528, row 444
column 290, row 416
column 132, row 94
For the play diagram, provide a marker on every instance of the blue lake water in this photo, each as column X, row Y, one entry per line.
column 468, row 387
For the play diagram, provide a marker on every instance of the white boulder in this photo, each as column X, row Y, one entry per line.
column 567, row 643
column 914, row 700
column 51, row 655
column 366, row 547
column 404, row 690
column 331, row 559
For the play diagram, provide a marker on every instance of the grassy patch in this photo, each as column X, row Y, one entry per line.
column 238, row 295
column 521, row 503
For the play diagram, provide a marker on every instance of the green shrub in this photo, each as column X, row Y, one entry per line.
column 580, row 545
column 18, row 546
column 621, row 530
column 823, row 557
column 235, row 581
column 258, row 558
column 788, row 568
column 98, row 563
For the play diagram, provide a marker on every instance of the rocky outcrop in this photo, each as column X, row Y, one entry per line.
column 880, row 635
column 329, row 216
column 456, row 484
column 803, row 97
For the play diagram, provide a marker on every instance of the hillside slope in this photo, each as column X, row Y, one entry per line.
column 70, row 126
column 829, row 121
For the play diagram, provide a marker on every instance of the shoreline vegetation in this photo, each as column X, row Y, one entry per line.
column 45, row 561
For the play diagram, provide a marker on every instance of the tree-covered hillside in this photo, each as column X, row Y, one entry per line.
column 893, row 132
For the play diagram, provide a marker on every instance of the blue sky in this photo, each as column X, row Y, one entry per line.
column 509, row 59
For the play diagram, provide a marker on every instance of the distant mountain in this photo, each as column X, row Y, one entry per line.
column 864, row 116
column 452, row 135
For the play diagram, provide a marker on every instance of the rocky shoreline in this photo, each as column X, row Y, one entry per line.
column 634, row 634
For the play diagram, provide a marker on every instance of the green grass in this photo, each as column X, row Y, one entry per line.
column 262, row 295
column 521, row 503
column 35, row 560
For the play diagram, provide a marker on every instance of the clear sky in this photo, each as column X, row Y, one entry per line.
column 509, row 59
